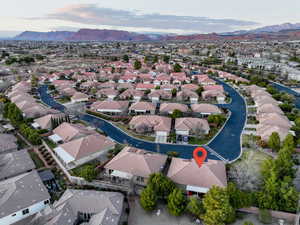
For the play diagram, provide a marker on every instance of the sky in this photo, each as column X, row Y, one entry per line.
column 171, row 16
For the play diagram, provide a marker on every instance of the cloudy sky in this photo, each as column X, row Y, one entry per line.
column 172, row 16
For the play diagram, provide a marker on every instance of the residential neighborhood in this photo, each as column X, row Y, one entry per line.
column 100, row 133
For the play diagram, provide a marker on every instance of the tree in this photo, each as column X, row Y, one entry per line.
column 176, row 202
column 126, row 58
column 289, row 142
column 166, row 58
column 199, row 91
column 162, row 185
column 217, row 207
column 148, row 199
column 137, row 65
column 174, row 93
column 88, row 172
column 238, row 199
column 195, row 207
column 274, row 141
column 177, row 68
column 176, row 114
column 248, row 223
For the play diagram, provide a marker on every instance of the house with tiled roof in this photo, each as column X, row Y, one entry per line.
column 82, row 206
column 142, row 108
column 84, row 149
column 135, row 164
column 194, row 179
column 187, row 95
column 136, row 95
column 188, row 126
column 111, row 107
column 205, row 109
column 22, row 196
column 170, row 107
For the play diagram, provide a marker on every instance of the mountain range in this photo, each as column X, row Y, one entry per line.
column 286, row 31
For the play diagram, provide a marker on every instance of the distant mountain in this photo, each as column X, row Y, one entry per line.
column 107, row 35
column 86, row 35
column 277, row 28
column 44, row 36
column 266, row 29
column 285, row 31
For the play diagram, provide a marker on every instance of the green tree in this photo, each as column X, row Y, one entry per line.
column 238, row 199
column 195, row 207
column 174, row 93
column 137, row 65
column 248, row 223
column 126, row 58
column 166, row 58
column 176, row 202
column 176, row 114
column 148, row 199
column 162, row 185
column 274, row 141
column 88, row 172
column 289, row 142
column 217, row 207
column 199, row 90
column 177, row 68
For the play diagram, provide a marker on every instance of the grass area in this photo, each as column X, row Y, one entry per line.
column 51, row 144
column 201, row 141
column 245, row 172
column 36, row 159
column 132, row 133
column 63, row 100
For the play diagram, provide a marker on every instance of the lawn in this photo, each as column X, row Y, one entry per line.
column 36, row 159
column 201, row 141
column 130, row 132
column 245, row 172
column 51, row 144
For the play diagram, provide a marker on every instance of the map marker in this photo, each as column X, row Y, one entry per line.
column 200, row 158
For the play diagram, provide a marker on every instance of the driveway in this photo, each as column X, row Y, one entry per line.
column 225, row 146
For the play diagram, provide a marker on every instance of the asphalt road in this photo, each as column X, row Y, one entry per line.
column 225, row 146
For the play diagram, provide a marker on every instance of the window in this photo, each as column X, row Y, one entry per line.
column 46, row 202
column 25, row 211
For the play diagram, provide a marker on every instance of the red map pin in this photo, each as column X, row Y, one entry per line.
column 200, row 158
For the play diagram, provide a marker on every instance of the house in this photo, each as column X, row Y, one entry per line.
column 136, row 95
column 269, row 108
column 142, row 108
column 45, row 122
column 8, row 143
column 170, row 107
column 15, row 163
column 214, row 87
column 274, row 119
column 84, row 149
column 152, row 123
column 265, row 131
column 204, row 80
column 214, row 94
column 156, row 95
column 187, row 95
column 79, row 97
column 22, row 196
column 66, row 132
column 162, row 79
column 195, row 179
column 109, row 85
column 107, row 93
column 187, row 126
column 127, row 78
column 145, row 87
column 110, row 107
column 86, row 207
column 189, row 87
column 125, row 86
column 135, row 164
column 168, row 87
column 205, row 109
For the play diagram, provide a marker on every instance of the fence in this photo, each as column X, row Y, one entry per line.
column 292, row 218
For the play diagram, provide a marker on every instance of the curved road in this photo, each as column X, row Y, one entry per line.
column 225, row 146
